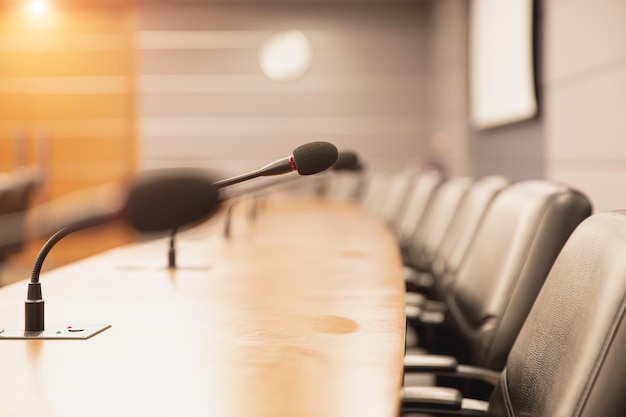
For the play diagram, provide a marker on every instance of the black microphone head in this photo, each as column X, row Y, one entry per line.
column 314, row 157
column 166, row 199
column 347, row 160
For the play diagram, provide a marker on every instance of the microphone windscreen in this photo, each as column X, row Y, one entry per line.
column 163, row 200
column 314, row 157
column 346, row 160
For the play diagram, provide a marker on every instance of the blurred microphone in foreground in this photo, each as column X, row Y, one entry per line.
column 157, row 201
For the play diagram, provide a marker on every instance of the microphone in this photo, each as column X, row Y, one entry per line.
column 166, row 199
column 307, row 159
column 178, row 197
column 157, row 201
column 347, row 161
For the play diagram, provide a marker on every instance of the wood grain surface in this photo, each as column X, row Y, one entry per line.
column 299, row 313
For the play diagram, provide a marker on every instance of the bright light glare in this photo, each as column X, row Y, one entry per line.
column 38, row 7
column 286, row 56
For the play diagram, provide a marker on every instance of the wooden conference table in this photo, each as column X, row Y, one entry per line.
column 299, row 313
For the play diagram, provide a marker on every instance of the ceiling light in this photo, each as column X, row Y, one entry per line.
column 286, row 56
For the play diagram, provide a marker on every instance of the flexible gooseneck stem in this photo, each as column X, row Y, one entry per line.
column 34, row 304
column 237, row 179
column 282, row 166
column 171, row 254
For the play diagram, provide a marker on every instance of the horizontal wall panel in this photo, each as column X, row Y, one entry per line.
column 64, row 150
column 237, row 51
column 185, row 61
column 383, row 59
column 95, row 172
column 75, row 42
column 60, row 186
column 64, row 63
column 200, row 39
column 274, row 147
column 311, row 103
column 76, row 129
column 252, row 39
column 74, row 106
column 62, row 85
column 219, row 61
column 198, row 84
column 273, row 126
column 282, row 16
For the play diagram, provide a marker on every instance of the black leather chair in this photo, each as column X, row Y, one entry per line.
column 345, row 186
column 569, row 357
column 445, row 258
column 414, row 206
column 461, row 232
column 433, row 225
column 520, row 237
column 398, row 186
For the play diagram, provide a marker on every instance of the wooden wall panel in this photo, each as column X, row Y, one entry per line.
column 68, row 78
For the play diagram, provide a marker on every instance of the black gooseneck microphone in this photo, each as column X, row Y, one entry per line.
column 346, row 160
column 157, row 201
column 307, row 159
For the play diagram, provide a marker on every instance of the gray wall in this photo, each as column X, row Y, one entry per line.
column 448, row 139
column 516, row 151
column 390, row 81
column 585, row 106
column 204, row 101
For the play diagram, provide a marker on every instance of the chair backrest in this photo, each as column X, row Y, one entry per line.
column 461, row 231
column 414, row 206
column 345, row 186
column 375, row 187
column 523, row 231
column 399, row 184
column 15, row 198
column 435, row 221
column 570, row 357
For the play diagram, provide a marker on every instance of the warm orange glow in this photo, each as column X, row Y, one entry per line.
column 66, row 75
column 38, row 8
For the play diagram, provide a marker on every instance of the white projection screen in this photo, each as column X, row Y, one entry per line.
column 501, row 79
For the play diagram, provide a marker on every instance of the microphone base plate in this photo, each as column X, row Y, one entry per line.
column 60, row 332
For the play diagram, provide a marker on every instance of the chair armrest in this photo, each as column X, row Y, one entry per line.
column 421, row 315
column 429, row 363
column 417, row 280
column 416, row 299
column 435, row 400
column 447, row 366
column 431, row 398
